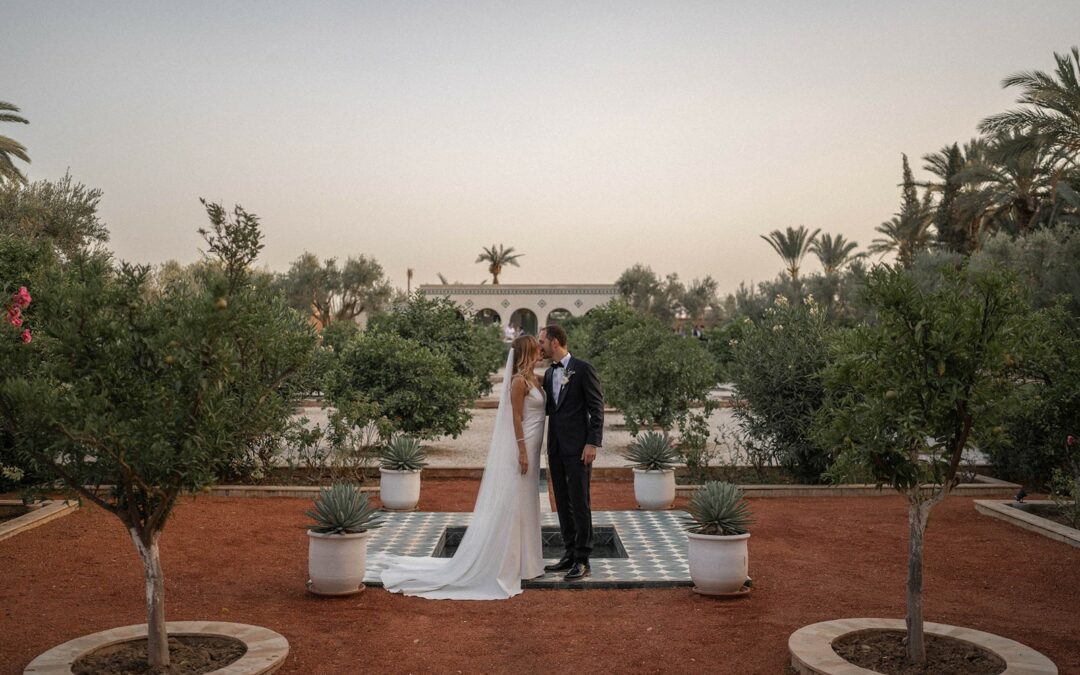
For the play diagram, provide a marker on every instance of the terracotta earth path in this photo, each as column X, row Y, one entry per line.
column 812, row 559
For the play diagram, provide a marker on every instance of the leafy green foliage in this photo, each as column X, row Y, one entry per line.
column 475, row 351
column 1045, row 403
column 154, row 392
column 343, row 509
column 907, row 395
column 655, row 377
column 1046, row 261
column 497, row 259
column 330, row 292
column 402, row 453
column 590, row 335
column 837, row 295
column 338, row 334
column 719, row 509
column 776, row 371
column 664, row 299
column 792, row 245
column 652, row 451
column 383, row 378
column 9, row 147
column 61, row 212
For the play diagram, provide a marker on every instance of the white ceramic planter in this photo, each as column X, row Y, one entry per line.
column 654, row 489
column 336, row 562
column 718, row 564
column 399, row 490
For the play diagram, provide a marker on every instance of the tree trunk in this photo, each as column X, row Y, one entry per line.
column 918, row 513
column 157, row 638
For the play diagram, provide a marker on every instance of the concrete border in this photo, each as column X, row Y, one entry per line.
column 984, row 486
column 617, row 474
column 1029, row 521
column 812, row 653
column 39, row 515
column 266, row 650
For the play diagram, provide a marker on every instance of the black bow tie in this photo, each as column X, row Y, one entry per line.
column 557, row 364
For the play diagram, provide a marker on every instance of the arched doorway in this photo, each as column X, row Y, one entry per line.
column 524, row 320
column 558, row 316
column 487, row 317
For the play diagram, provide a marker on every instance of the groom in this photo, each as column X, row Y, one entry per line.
column 575, row 408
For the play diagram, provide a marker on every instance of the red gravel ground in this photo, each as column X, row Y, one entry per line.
column 812, row 559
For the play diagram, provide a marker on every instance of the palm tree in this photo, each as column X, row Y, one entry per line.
column 834, row 253
column 907, row 232
column 903, row 236
column 1018, row 176
column 497, row 259
column 792, row 245
column 962, row 211
column 9, row 147
column 1054, row 115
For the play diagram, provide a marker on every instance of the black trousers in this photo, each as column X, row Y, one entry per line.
column 570, row 482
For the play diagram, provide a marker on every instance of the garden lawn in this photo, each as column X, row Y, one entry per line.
column 245, row 560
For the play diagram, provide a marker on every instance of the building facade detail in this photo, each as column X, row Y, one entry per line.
column 524, row 306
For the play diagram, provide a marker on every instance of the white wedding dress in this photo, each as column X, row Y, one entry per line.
column 502, row 544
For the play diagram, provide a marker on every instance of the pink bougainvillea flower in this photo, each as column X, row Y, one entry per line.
column 13, row 313
column 15, row 320
column 22, row 298
column 26, row 337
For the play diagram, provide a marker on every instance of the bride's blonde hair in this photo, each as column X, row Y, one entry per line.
column 526, row 354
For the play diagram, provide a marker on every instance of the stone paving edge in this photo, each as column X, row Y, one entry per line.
column 266, row 650
column 812, row 653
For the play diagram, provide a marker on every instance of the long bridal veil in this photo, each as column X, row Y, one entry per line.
column 487, row 563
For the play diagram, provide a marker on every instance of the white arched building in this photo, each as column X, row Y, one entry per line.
column 525, row 306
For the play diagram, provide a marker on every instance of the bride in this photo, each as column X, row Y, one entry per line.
column 502, row 544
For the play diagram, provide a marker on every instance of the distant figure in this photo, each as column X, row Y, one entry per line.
column 509, row 333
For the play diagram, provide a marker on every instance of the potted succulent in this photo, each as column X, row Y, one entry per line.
column 653, row 457
column 718, row 532
column 401, row 460
column 337, row 543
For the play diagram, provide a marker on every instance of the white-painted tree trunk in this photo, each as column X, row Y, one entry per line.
column 156, row 635
column 918, row 514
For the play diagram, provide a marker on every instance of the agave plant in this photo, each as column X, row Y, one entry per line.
column 718, row 508
column 402, row 453
column 343, row 509
column 652, row 451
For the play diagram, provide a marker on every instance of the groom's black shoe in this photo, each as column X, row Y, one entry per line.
column 566, row 563
column 580, row 570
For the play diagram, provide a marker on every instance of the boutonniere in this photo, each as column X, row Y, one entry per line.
column 565, row 376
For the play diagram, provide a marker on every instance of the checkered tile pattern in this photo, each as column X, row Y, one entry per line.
column 655, row 543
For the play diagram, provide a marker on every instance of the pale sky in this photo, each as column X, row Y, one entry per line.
column 589, row 136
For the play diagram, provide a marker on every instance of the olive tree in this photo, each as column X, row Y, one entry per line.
column 135, row 395
column 910, row 392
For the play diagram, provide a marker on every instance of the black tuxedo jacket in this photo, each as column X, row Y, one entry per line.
column 577, row 418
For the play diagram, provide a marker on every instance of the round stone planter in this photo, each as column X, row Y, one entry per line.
column 266, row 650
column 718, row 563
column 812, row 652
column 336, row 563
column 654, row 489
column 399, row 490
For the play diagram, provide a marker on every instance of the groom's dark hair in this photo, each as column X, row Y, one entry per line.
column 557, row 333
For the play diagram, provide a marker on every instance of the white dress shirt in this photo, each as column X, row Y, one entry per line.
column 556, row 379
